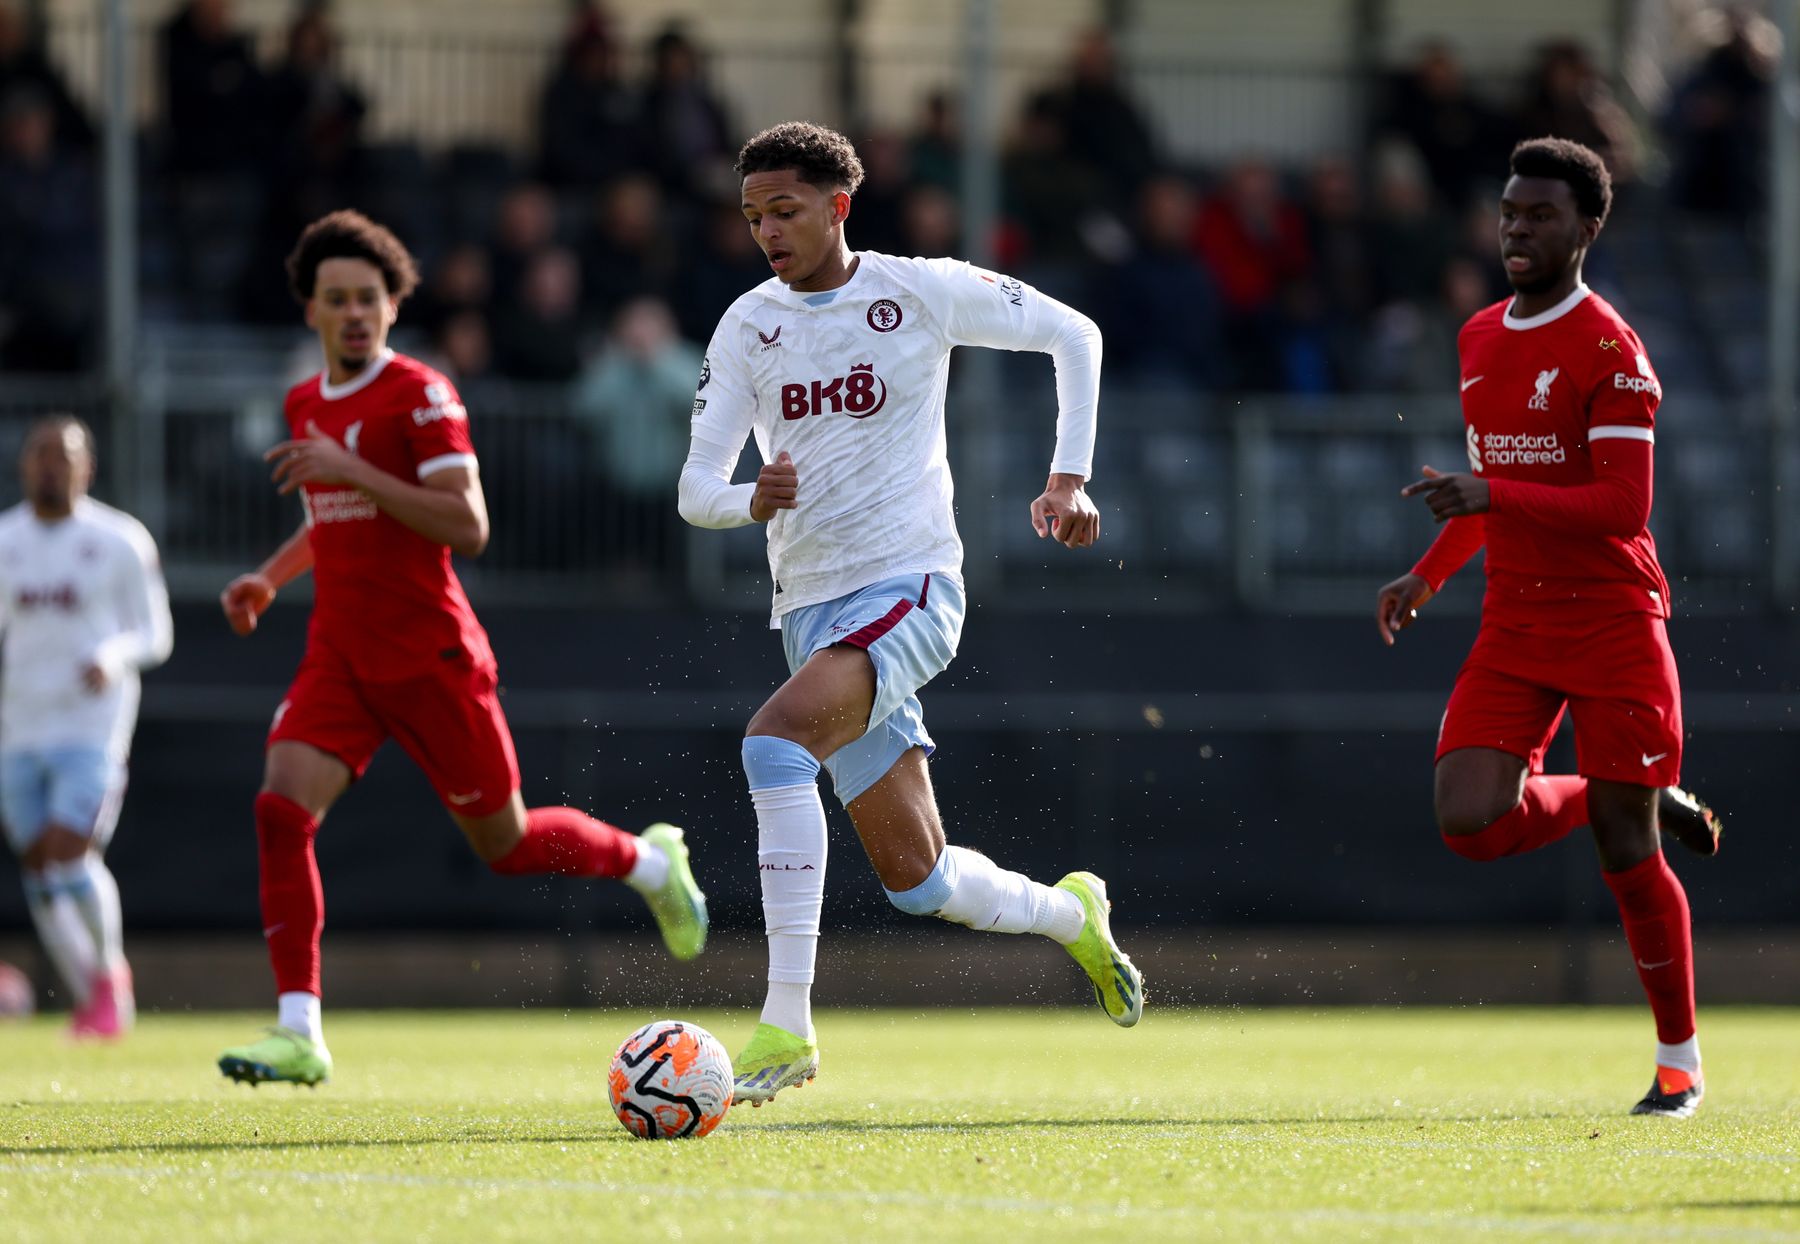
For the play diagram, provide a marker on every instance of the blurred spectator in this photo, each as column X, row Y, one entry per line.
column 309, row 156
column 638, row 397
column 1342, row 241
column 929, row 224
column 1567, row 98
column 524, row 226
column 1048, row 193
column 587, row 118
column 1159, row 308
column 463, row 349
column 49, row 240
column 631, row 250
column 1253, row 240
column 877, row 214
column 1719, row 120
column 1461, row 140
column 460, row 283
column 1304, row 337
column 24, row 64
column 315, row 114
column 537, row 336
column 725, row 263
column 216, row 118
column 685, row 132
column 1103, row 128
column 1412, row 348
column 1412, row 239
column 935, row 151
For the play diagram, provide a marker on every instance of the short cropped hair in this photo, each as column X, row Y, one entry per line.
column 822, row 157
column 350, row 235
column 1561, row 159
column 59, row 421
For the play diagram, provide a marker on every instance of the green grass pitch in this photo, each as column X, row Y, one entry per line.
column 1010, row 1125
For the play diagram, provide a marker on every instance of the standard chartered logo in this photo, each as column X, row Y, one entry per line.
column 1520, row 449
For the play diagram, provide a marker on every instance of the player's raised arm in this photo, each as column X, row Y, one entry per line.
column 982, row 308
column 724, row 407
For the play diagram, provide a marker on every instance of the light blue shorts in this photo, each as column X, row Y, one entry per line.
column 77, row 787
column 910, row 627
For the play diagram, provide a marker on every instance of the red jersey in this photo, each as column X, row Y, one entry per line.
column 385, row 598
column 1560, row 410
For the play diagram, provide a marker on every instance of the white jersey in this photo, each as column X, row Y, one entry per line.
column 851, row 385
column 82, row 590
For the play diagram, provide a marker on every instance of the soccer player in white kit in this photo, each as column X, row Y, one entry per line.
column 838, row 366
column 83, row 609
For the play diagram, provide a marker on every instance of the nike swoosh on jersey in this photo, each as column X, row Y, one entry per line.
column 1650, row 967
column 1472, row 380
column 463, row 801
column 1650, row 760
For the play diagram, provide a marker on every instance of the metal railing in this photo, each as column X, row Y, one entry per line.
column 1264, row 503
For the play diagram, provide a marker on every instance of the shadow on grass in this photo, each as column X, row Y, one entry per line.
column 256, row 1145
column 1795, row 1204
column 604, row 1134
column 852, row 1125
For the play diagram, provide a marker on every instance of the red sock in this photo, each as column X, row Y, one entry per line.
column 293, row 901
column 1549, row 809
column 572, row 843
column 1654, row 908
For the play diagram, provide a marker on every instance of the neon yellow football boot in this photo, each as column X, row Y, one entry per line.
column 679, row 906
column 1118, row 985
column 775, row 1059
column 283, row 1055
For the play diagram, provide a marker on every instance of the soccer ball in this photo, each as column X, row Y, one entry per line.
column 17, row 1000
column 670, row 1079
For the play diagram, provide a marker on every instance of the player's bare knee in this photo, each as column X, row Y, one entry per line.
column 59, row 844
column 1463, row 814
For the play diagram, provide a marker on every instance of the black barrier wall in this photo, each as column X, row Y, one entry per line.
column 1216, row 769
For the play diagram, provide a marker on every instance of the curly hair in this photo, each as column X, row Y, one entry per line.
column 350, row 235
column 822, row 157
column 1563, row 160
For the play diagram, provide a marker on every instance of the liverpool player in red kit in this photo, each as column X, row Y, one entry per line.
column 381, row 457
column 1560, row 400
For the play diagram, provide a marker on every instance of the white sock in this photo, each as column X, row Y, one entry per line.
column 89, row 883
column 790, row 859
column 1682, row 1056
column 987, row 897
column 65, row 936
column 651, row 872
column 299, row 1012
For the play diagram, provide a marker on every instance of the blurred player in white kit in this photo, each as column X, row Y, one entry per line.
column 82, row 609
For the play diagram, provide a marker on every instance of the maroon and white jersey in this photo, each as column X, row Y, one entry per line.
column 1544, row 398
column 384, row 596
column 850, row 383
column 81, row 590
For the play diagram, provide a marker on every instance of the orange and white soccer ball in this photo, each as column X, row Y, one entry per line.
column 670, row 1079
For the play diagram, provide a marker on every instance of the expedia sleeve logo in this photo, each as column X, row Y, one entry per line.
column 1644, row 382
column 860, row 394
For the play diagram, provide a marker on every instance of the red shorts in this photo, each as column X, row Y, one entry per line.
column 1617, row 681
column 450, row 723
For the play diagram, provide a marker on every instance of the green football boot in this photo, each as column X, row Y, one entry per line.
column 283, row 1055
column 1118, row 985
column 775, row 1059
column 679, row 906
